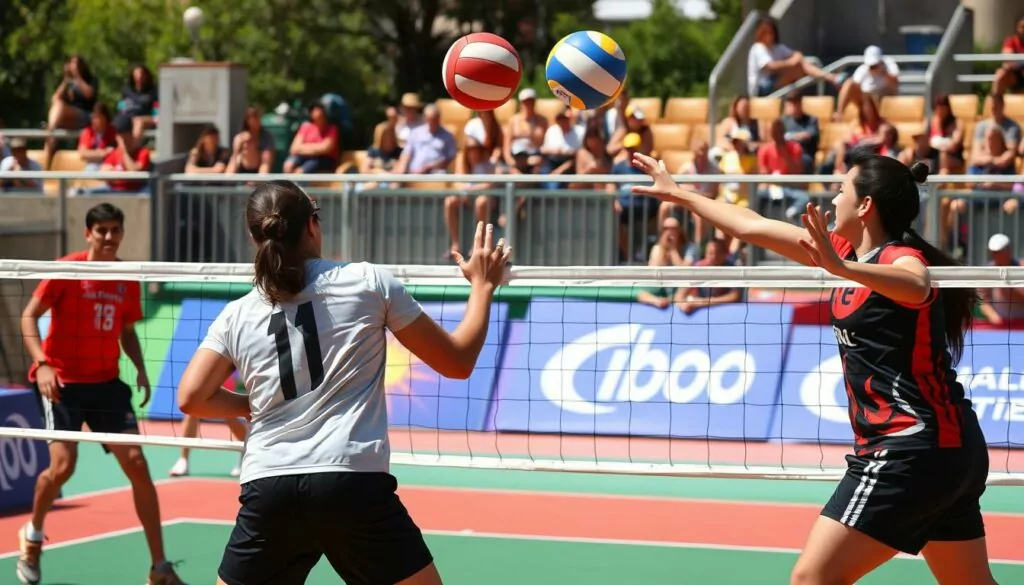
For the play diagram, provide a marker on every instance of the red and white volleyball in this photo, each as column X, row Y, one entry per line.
column 481, row 71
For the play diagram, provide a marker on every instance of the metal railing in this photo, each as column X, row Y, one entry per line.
column 200, row 217
column 940, row 76
column 58, row 133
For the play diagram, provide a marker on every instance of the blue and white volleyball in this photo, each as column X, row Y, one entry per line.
column 586, row 70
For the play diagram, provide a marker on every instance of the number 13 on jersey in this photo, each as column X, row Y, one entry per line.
column 305, row 322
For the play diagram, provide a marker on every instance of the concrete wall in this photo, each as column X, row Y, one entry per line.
column 994, row 19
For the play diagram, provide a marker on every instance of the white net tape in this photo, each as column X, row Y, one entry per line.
column 654, row 448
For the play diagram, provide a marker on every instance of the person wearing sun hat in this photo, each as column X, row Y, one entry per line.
column 410, row 116
column 1001, row 304
column 632, row 209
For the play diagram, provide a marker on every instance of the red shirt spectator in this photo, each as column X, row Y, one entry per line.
column 785, row 158
column 115, row 161
column 310, row 133
column 89, row 139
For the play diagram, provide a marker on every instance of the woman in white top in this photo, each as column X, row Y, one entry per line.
column 310, row 344
column 772, row 65
column 472, row 161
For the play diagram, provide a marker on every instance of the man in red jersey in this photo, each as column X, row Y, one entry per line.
column 76, row 376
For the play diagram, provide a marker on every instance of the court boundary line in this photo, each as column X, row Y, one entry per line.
column 609, row 541
column 93, row 538
column 594, row 495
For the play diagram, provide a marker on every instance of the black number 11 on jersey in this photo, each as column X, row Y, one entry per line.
column 305, row 322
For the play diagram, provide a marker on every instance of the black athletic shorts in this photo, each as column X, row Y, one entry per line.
column 356, row 520
column 905, row 499
column 106, row 407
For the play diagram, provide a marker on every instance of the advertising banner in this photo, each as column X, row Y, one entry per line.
column 814, row 403
column 417, row 396
column 613, row 368
column 21, row 460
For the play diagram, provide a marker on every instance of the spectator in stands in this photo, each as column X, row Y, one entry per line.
column 485, row 129
column 779, row 156
column 737, row 159
column 207, row 156
column 700, row 165
column 592, row 158
column 878, row 77
column 19, row 160
column 430, row 148
column 526, row 129
column 1011, row 129
column 1011, row 74
column 315, row 148
column 129, row 156
column 1000, row 304
column 803, row 129
column 635, row 123
column 98, row 139
column 991, row 154
column 921, row 150
column 72, row 103
column 772, row 65
column 252, row 149
column 561, row 143
column 946, row 134
column 632, row 210
column 139, row 98
column 865, row 132
column 411, row 116
column 673, row 248
column 716, row 253
column 472, row 161
column 385, row 152
column 889, row 140
column 739, row 117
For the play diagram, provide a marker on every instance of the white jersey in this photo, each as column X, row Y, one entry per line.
column 314, row 369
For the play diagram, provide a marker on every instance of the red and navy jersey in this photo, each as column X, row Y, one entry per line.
column 900, row 381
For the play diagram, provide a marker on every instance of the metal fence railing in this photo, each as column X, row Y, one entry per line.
column 200, row 218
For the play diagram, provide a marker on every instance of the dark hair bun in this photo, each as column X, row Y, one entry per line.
column 920, row 171
column 273, row 226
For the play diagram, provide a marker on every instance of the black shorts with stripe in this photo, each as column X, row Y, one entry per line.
column 356, row 520
column 106, row 407
column 905, row 499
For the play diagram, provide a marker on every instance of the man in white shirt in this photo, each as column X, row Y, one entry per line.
column 878, row 76
column 561, row 142
column 19, row 161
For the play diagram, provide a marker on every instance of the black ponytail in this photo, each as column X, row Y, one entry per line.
column 278, row 213
column 894, row 189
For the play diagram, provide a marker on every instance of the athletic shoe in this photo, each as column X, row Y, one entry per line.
column 180, row 468
column 163, row 574
column 28, row 561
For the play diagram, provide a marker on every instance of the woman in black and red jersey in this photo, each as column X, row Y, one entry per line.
column 921, row 462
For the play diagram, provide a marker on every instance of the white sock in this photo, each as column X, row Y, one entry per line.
column 32, row 534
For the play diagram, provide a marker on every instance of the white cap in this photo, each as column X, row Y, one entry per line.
column 527, row 94
column 998, row 243
column 872, row 55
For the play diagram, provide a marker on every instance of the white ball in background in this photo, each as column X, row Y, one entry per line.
column 193, row 17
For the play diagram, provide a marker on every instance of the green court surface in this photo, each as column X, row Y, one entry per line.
column 545, row 549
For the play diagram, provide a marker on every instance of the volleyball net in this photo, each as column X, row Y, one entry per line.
column 584, row 369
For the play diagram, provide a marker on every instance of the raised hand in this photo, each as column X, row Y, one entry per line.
column 818, row 243
column 664, row 188
column 486, row 263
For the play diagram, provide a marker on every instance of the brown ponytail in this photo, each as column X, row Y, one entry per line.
column 278, row 213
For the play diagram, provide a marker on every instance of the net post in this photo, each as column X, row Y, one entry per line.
column 932, row 212
column 511, row 213
column 62, row 216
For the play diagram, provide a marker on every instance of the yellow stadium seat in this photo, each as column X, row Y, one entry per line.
column 832, row 133
column 906, row 131
column 965, row 106
column 1014, row 106
column 651, row 107
column 903, row 108
column 686, row 110
column 700, row 132
column 765, row 109
column 40, row 157
column 549, row 107
column 505, row 111
column 351, row 161
column 676, row 160
column 452, row 112
column 820, row 106
column 670, row 137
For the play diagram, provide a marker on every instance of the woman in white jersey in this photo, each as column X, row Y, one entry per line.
column 309, row 344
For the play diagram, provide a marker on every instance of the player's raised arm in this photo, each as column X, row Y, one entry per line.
column 738, row 222
column 454, row 354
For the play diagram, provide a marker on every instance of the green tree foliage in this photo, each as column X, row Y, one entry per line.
column 369, row 51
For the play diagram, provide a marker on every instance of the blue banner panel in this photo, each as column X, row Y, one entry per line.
column 814, row 396
column 21, row 460
column 630, row 369
column 417, row 396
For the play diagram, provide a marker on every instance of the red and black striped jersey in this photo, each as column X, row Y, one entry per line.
column 900, row 381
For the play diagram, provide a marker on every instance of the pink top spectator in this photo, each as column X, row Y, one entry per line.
column 88, row 139
column 774, row 162
column 310, row 133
